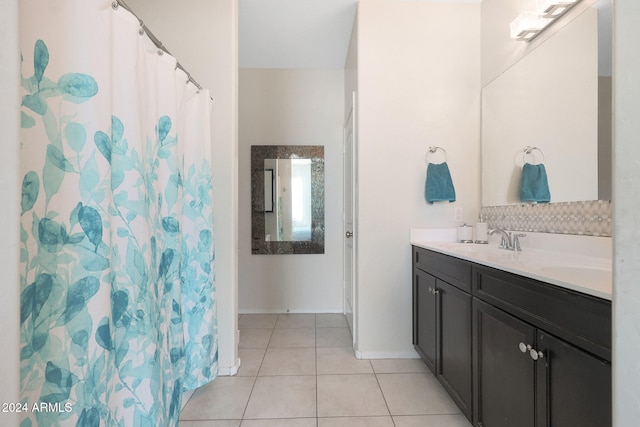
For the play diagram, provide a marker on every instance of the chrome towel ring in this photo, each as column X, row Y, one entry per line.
column 432, row 150
column 530, row 150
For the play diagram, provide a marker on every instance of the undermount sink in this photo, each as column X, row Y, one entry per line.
column 579, row 272
column 467, row 248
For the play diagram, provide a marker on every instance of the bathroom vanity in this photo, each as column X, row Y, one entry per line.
column 516, row 338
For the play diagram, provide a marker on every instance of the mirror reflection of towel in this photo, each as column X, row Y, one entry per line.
column 534, row 186
column 439, row 186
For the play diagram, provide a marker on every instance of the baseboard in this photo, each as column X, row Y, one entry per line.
column 367, row 355
column 229, row 371
column 294, row 311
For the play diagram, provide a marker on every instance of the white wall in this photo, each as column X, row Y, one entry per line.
column 418, row 85
column 626, row 292
column 203, row 37
column 351, row 69
column 10, row 185
column 291, row 107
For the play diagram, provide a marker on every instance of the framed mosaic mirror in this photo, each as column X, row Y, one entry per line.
column 287, row 199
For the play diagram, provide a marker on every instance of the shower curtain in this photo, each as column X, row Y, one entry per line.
column 117, row 313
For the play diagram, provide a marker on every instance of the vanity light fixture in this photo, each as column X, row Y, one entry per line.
column 531, row 23
column 555, row 8
column 527, row 25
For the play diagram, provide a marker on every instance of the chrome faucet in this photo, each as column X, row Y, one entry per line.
column 508, row 241
column 505, row 242
column 516, row 241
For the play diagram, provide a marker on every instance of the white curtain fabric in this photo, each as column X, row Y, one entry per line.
column 118, row 312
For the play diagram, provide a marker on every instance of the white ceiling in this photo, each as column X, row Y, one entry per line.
column 297, row 33
column 294, row 33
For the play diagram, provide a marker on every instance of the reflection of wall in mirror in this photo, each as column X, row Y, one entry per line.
column 548, row 99
column 290, row 218
column 605, row 98
column 301, row 199
column 500, row 51
column 284, row 201
column 605, row 137
column 270, row 217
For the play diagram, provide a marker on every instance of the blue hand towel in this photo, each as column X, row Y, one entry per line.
column 439, row 186
column 534, row 186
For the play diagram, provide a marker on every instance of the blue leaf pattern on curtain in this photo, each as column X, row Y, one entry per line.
column 117, row 302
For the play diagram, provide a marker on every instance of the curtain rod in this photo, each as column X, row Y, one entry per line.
column 120, row 3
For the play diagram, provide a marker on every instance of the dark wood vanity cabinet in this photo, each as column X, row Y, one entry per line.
column 541, row 354
column 529, row 354
column 560, row 386
column 424, row 317
column 442, row 321
column 569, row 371
column 503, row 376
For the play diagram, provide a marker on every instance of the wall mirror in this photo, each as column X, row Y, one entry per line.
column 287, row 199
column 557, row 98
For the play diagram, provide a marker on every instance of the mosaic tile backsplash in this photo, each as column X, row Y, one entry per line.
column 589, row 218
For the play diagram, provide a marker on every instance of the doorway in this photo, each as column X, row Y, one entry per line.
column 349, row 218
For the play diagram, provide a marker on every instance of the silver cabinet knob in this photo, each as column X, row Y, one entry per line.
column 433, row 291
column 535, row 354
column 348, row 234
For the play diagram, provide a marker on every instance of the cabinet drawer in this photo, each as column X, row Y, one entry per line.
column 450, row 269
column 580, row 319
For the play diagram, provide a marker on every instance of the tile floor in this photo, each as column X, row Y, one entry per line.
column 298, row 370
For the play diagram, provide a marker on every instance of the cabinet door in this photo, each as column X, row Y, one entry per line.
column 454, row 344
column 504, row 376
column 424, row 333
column 573, row 387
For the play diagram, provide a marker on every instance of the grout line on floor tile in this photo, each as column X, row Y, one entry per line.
column 317, row 375
column 255, row 379
column 268, row 342
column 296, row 327
column 383, row 397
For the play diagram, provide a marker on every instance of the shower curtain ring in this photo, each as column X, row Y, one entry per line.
column 115, row 5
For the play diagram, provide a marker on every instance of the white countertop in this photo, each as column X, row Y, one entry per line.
column 588, row 272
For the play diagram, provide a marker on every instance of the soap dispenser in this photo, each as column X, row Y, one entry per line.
column 481, row 232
